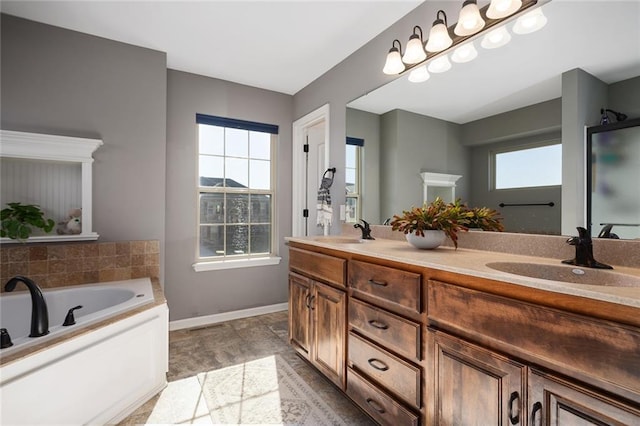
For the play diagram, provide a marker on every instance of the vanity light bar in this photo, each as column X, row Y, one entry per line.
column 400, row 67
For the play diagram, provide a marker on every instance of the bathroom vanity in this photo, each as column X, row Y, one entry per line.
column 437, row 337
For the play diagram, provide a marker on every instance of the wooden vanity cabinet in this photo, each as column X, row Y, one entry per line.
column 555, row 401
column 420, row 346
column 384, row 375
column 317, row 313
column 602, row 358
column 471, row 385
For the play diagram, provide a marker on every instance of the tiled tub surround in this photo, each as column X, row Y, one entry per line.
column 133, row 343
column 59, row 265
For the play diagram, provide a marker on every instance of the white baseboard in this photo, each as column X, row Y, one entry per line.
column 226, row 316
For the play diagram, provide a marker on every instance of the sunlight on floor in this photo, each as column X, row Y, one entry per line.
column 181, row 402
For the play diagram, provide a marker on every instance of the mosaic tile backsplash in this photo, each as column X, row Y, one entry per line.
column 58, row 265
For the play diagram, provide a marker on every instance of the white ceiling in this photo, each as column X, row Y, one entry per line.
column 601, row 37
column 285, row 45
column 275, row 45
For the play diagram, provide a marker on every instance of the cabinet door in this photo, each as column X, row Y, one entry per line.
column 474, row 386
column 299, row 313
column 555, row 401
column 328, row 347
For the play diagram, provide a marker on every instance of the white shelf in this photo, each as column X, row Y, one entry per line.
column 439, row 184
column 37, row 150
column 92, row 236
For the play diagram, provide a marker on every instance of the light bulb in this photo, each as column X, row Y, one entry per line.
column 393, row 64
column 530, row 22
column 419, row 74
column 503, row 8
column 439, row 38
column 465, row 53
column 470, row 21
column 496, row 38
column 439, row 65
column 415, row 52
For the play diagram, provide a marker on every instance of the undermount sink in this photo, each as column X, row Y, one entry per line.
column 338, row 240
column 567, row 274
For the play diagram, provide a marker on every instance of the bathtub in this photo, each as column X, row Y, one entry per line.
column 96, row 371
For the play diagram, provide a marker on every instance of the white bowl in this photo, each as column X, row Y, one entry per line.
column 431, row 239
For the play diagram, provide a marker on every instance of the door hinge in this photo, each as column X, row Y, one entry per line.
column 305, row 213
column 305, row 147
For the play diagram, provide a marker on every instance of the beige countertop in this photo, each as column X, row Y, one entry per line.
column 473, row 262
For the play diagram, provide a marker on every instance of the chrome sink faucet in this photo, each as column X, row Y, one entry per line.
column 39, row 312
column 584, row 251
column 366, row 230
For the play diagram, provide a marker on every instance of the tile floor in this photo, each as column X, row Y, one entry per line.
column 198, row 350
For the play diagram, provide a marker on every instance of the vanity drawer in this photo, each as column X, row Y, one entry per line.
column 320, row 266
column 381, row 407
column 397, row 333
column 389, row 284
column 395, row 374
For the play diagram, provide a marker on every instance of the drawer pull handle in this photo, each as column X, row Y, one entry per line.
column 536, row 407
column 380, row 283
column 514, row 419
column 378, row 324
column 311, row 299
column 376, row 406
column 378, row 365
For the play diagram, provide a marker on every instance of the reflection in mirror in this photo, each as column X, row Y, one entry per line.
column 613, row 196
column 539, row 90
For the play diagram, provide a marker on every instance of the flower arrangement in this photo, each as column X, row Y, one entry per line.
column 435, row 216
column 483, row 218
column 447, row 217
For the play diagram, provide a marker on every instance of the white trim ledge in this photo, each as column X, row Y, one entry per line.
column 206, row 320
column 232, row 264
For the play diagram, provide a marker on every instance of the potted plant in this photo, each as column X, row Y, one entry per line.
column 18, row 219
column 483, row 218
column 429, row 225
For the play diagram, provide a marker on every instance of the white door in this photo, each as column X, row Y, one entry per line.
column 315, row 169
column 308, row 167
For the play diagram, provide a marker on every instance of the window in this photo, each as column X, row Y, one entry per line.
column 528, row 167
column 352, row 179
column 235, row 189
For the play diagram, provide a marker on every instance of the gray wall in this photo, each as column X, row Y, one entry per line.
column 191, row 293
column 63, row 82
column 624, row 96
column 537, row 119
column 415, row 143
column 582, row 97
column 366, row 125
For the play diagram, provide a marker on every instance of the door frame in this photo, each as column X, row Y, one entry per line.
column 298, row 181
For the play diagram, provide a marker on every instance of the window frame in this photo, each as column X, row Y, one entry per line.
column 359, row 144
column 522, row 147
column 230, row 261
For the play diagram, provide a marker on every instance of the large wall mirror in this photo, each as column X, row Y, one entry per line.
column 613, row 176
column 537, row 93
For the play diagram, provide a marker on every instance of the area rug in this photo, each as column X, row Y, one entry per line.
column 264, row 391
